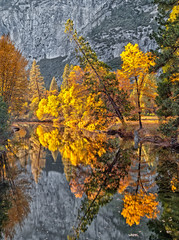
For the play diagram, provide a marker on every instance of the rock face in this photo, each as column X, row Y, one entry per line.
column 37, row 28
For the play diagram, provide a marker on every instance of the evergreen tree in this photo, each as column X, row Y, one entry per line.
column 36, row 86
column 65, row 76
column 53, row 85
column 167, row 38
column 99, row 79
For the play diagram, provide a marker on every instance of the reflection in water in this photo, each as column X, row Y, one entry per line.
column 98, row 168
column 140, row 202
column 14, row 204
column 166, row 227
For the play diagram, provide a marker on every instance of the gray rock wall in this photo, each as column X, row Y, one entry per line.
column 37, row 28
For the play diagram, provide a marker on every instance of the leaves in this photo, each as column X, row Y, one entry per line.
column 139, row 205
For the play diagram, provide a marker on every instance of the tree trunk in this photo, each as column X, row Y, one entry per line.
column 138, row 103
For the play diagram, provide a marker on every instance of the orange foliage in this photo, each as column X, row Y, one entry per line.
column 139, row 205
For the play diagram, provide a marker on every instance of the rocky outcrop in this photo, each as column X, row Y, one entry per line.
column 37, row 28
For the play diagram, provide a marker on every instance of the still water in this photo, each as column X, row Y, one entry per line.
column 58, row 183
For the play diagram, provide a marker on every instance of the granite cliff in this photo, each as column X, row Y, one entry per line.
column 37, row 28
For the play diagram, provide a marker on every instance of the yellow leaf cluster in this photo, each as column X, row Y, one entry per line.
column 49, row 139
column 48, row 107
column 136, row 62
column 174, row 13
column 79, row 149
column 139, row 205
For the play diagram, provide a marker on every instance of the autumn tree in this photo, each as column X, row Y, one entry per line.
column 99, row 78
column 53, row 86
column 36, row 86
column 67, row 69
column 136, row 65
column 138, row 201
column 80, row 107
column 13, row 75
column 167, row 61
column 49, row 107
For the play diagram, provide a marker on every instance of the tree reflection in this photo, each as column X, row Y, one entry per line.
column 100, row 184
column 166, row 227
column 14, row 204
column 139, row 202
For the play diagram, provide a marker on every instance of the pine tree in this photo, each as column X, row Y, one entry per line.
column 167, row 38
column 53, row 85
column 36, row 84
column 37, row 89
column 68, row 68
column 99, row 79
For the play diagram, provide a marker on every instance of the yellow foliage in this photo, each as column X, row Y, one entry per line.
column 74, row 146
column 124, row 81
column 49, row 139
column 80, row 108
column 174, row 13
column 139, row 205
column 49, row 107
column 136, row 66
column 135, row 62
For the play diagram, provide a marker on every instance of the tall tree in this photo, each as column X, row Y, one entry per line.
column 99, row 77
column 167, row 61
column 13, row 75
column 53, row 85
column 36, row 85
column 136, row 65
column 65, row 76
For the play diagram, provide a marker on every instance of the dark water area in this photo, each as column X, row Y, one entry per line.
column 58, row 183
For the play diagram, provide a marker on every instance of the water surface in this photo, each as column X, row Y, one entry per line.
column 61, row 183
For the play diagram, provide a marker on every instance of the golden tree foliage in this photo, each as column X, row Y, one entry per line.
column 73, row 97
column 49, row 107
column 79, row 149
column 74, row 146
column 135, row 62
column 13, row 75
column 79, row 107
column 139, row 205
column 49, row 139
column 124, row 81
column 174, row 182
column 174, row 13
column 136, row 65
